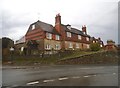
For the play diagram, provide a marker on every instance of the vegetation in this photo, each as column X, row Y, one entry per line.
column 67, row 57
column 103, row 58
column 47, row 59
column 6, row 42
column 95, row 46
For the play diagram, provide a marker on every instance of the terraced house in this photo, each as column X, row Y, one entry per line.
column 45, row 37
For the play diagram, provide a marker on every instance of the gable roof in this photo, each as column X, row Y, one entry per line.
column 46, row 27
column 74, row 30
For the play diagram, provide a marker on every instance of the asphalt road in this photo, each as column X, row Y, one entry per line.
column 65, row 75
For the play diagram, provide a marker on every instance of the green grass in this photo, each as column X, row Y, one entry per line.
column 52, row 59
column 79, row 53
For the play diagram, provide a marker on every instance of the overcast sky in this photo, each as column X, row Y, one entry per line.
column 100, row 16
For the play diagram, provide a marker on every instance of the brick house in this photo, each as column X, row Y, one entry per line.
column 46, row 37
column 58, row 37
column 110, row 46
column 72, row 38
column 99, row 41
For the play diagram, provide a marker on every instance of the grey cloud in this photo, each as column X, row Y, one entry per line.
column 11, row 22
column 100, row 20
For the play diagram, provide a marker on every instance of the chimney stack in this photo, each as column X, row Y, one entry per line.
column 84, row 29
column 58, row 22
column 58, row 19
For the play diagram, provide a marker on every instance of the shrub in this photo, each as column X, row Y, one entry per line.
column 95, row 46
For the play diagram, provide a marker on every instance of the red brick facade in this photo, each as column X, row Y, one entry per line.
column 59, row 36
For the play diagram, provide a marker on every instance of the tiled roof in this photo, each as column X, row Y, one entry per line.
column 49, row 28
column 73, row 30
column 46, row 27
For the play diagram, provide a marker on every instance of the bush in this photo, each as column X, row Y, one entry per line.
column 95, row 47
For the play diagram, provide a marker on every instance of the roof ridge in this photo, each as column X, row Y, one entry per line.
column 44, row 22
column 72, row 27
column 77, row 29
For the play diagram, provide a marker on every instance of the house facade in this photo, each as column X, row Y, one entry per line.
column 97, row 40
column 110, row 46
column 59, row 37
column 46, row 37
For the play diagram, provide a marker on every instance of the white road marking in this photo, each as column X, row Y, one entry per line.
column 76, row 77
column 31, row 83
column 14, row 85
column 84, row 68
column 62, row 78
column 48, row 80
column 86, row 76
column 94, row 75
column 114, row 73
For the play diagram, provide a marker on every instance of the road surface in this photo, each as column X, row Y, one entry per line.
column 60, row 75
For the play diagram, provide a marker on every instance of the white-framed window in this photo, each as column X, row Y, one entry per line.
column 33, row 26
column 77, row 45
column 57, row 37
column 48, row 46
column 70, row 45
column 79, row 37
column 87, row 38
column 69, row 27
column 93, row 41
column 57, row 46
column 48, row 35
column 83, row 32
column 88, row 46
column 68, row 34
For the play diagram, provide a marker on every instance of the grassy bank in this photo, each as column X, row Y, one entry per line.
column 68, row 57
column 107, row 58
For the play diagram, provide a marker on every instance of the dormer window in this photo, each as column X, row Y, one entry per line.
column 48, row 35
column 68, row 34
column 69, row 27
column 33, row 26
